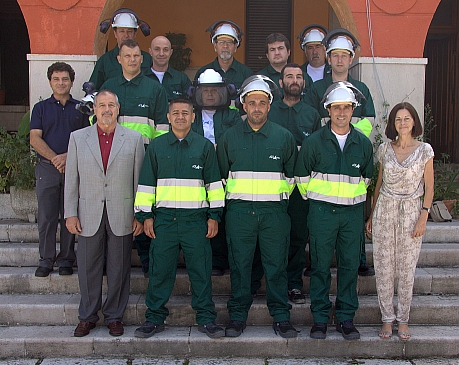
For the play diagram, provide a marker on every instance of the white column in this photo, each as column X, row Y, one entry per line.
column 38, row 81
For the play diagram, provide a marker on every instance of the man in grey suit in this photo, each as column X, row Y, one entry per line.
column 103, row 167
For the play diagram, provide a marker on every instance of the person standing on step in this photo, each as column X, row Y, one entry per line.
column 256, row 160
column 103, row 167
column 405, row 172
column 311, row 38
column 51, row 123
column 334, row 168
column 180, row 199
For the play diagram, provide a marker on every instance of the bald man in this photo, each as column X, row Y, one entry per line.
column 175, row 82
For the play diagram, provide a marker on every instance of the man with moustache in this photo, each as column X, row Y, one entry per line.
column 175, row 83
column 311, row 43
column 103, row 167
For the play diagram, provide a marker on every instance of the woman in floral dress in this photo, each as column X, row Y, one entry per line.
column 398, row 219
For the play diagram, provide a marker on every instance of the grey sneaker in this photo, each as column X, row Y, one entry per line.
column 212, row 330
column 148, row 329
column 296, row 296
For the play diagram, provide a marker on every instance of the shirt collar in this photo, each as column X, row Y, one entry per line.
column 53, row 100
column 217, row 66
column 100, row 132
column 263, row 130
column 136, row 80
column 171, row 138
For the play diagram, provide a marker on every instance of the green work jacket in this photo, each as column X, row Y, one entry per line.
column 223, row 120
column 143, row 104
column 180, row 178
column 107, row 66
column 325, row 173
column 257, row 167
column 174, row 82
column 236, row 74
column 300, row 119
column 327, row 69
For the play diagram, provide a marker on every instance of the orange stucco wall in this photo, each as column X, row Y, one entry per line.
column 71, row 26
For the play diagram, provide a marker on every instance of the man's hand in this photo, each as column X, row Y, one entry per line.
column 212, row 228
column 137, row 227
column 73, row 225
column 59, row 162
column 148, row 228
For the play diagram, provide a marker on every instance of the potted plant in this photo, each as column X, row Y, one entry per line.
column 17, row 172
column 446, row 183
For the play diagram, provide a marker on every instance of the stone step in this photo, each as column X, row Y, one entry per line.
column 19, row 231
column 21, row 280
column 62, row 309
column 256, row 341
column 432, row 254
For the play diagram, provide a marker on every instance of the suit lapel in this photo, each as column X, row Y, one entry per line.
column 93, row 144
column 118, row 142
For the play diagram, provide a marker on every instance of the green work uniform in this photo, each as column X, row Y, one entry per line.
column 335, row 182
column 107, row 66
column 236, row 74
column 223, row 119
column 175, row 83
column 180, row 188
column 258, row 169
column 143, row 108
column 274, row 75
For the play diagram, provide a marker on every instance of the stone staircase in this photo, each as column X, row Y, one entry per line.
column 38, row 315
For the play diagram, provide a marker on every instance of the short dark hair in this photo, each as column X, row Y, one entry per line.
column 292, row 65
column 391, row 132
column 277, row 37
column 180, row 100
column 61, row 67
column 130, row 43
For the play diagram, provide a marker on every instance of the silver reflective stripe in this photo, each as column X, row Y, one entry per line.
column 258, row 197
column 337, row 178
column 224, row 182
column 335, row 199
column 367, row 181
column 217, row 203
column 214, row 186
column 146, row 189
column 256, row 175
column 290, row 180
column 194, row 183
column 181, row 205
column 142, row 208
column 302, row 179
column 162, row 127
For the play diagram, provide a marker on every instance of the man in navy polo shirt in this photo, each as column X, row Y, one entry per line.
column 51, row 123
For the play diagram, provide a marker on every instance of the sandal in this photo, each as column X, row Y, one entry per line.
column 384, row 333
column 403, row 335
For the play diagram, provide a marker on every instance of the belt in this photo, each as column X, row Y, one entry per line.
column 44, row 160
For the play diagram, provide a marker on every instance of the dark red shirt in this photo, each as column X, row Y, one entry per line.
column 105, row 144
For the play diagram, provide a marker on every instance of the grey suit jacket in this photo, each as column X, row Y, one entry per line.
column 88, row 188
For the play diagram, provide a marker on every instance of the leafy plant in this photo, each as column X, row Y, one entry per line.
column 181, row 57
column 446, row 180
column 17, row 166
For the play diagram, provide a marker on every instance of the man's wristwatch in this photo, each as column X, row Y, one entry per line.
column 428, row 209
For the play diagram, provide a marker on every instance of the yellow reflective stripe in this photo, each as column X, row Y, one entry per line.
column 335, row 199
column 216, row 197
column 144, row 201
column 144, row 129
column 337, row 189
column 267, row 190
column 364, row 126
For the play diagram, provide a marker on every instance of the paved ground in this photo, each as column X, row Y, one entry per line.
column 226, row 361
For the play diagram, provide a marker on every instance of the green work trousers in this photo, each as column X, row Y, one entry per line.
column 173, row 233
column 272, row 232
column 142, row 243
column 220, row 247
column 333, row 227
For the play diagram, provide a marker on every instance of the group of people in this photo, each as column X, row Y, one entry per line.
column 174, row 164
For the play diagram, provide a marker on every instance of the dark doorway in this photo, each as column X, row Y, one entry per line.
column 442, row 79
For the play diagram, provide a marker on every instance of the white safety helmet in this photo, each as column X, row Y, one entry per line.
column 228, row 30
column 210, row 76
column 313, row 36
column 258, row 83
column 341, row 43
column 125, row 20
column 342, row 92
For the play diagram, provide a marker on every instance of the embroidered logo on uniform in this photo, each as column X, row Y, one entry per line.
column 197, row 167
column 176, row 92
column 143, row 105
column 273, row 157
column 356, row 165
column 306, row 134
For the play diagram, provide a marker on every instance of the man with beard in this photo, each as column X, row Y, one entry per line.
column 256, row 158
column 226, row 38
column 103, row 167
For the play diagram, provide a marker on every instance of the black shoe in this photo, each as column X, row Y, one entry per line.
column 318, row 331
column 212, row 330
column 218, row 271
column 145, row 267
column 307, row 271
column 234, row 329
column 284, row 329
column 296, row 296
column 148, row 329
column 42, row 272
column 65, row 271
column 348, row 330
column 365, row 270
